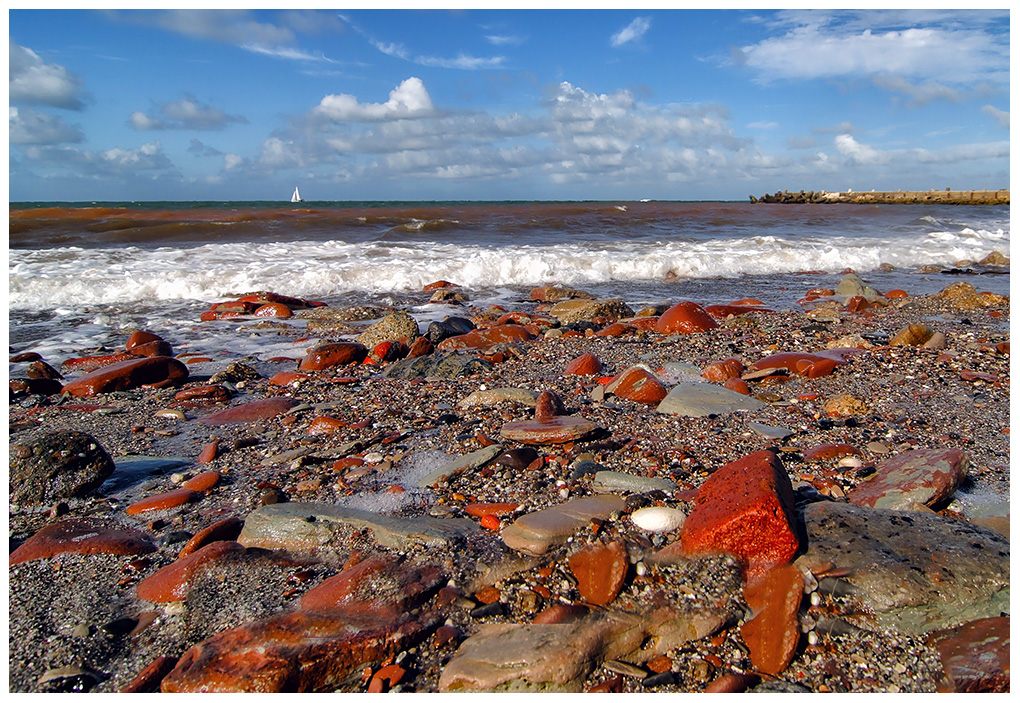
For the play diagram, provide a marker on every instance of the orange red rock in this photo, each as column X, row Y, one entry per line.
column 685, row 318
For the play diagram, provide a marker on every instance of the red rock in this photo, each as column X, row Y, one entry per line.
column 773, row 634
column 171, row 583
column 825, row 361
column 585, row 365
column 481, row 339
column 817, row 369
column 737, row 385
column 979, row 376
column 483, row 509
column 250, row 412
column 25, row 356
column 155, row 348
column 82, row 536
column 421, row 346
column 748, row 302
column 722, row 371
column 723, row 311
column 389, row 351
column 225, row 530
column 643, row 323
column 273, row 310
column 975, row 656
column 379, row 586
column 857, row 303
column 555, row 430
column 297, row 651
column 548, row 405
column 387, row 677
column 334, row 354
column 821, row 292
column 732, row 682
column 490, row 522
column 235, row 307
column 830, row 451
column 612, row 685
column 685, row 318
column 616, row 329
column 600, row 570
column 745, row 509
column 149, row 678
column 157, row 371
column 266, row 297
column 86, row 364
column 208, row 453
column 213, row 392
column 325, row 425
column 438, row 284
column 638, row 385
column 285, row 378
column 139, row 337
column 560, row 613
column 204, row 481
column 926, row 476
column 162, row 501
column 897, row 293
column 348, row 462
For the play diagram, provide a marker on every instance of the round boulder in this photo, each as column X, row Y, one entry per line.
column 57, row 466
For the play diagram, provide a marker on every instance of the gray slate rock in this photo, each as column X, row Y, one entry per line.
column 57, row 466
column 438, row 365
column 474, row 460
column 618, row 481
column 305, row 527
column 917, row 572
column 703, row 399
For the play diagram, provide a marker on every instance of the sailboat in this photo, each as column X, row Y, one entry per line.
column 296, row 198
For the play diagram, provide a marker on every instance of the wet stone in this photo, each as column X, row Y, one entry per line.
column 56, row 466
column 926, row 476
column 82, row 536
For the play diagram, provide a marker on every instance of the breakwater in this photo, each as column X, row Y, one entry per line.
column 952, row 197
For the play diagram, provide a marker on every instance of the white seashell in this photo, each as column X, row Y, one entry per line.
column 850, row 461
column 169, row 414
column 658, row 519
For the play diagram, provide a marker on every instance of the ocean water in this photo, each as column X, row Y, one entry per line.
column 79, row 274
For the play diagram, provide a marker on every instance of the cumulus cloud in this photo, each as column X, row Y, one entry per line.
column 409, row 99
column 859, row 153
column 919, row 47
column 632, row 32
column 33, row 81
column 27, row 126
column 1000, row 116
column 116, row 162
column 186, row 113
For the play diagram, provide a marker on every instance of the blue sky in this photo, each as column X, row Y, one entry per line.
column 503, row 104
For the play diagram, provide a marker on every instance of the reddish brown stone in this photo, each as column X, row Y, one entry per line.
column 25, row 356
column 250, row 412
column 86, row 364
column 737, row 385
column 548, row 405
column 745, row 509
column 162, row 501
column 926, row 476
column 202, row 482
column 285, row 378
column 897, row 293
column 82, row 536
column 555, row 430
column 154, row 348
column 336, row 354
column 830, row 451
column 482, row 339
column 35, row 386
column 723, row 311
column 325, row 425
column 732, row 682
column 975, row 656
column 825, row 361
column 685, row 318
column 722, row 371
column 600, row 570
column 560, row 613
column 585, row 365
column 379, row 586
column 438, row 284
column 139, row 337
column 387, row 677
column 156, row 371
column 214, row 392
column 225, row 530
column 40, row 369
column 616, row 329
column 483, row 509
column 638, row 385
column 421, row 346
column 149, row 678
column 773, row 634
column 171, row 583
column 208, row 453
column 273, row 310
column 266, row 297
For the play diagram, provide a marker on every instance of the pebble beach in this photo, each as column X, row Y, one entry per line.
column 558, row 493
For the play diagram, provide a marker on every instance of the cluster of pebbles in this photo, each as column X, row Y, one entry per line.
column 76, row 623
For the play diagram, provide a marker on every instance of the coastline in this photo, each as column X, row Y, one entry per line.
column 366, row 438
column 900, row 197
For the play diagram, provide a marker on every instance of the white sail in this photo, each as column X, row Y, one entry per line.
column 296, row 198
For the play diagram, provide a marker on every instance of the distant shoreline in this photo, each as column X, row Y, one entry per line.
column 952, row 197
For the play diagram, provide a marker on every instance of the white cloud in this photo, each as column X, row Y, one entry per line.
column 504, row 40
column 33, row 81
column 834, row 45
column 185, row 113
column 632, row 32
column 409, row 99
column 230, row 26
column 288, row 53
column 859, row 153
column 1000, row 116
column 111, row 163
column 462, row 61
column 27, row 126
column 920, row 94
column 232, row 161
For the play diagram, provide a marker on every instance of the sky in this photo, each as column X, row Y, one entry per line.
column 506, row 104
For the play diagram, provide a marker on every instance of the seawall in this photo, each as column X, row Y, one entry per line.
column 956, row 197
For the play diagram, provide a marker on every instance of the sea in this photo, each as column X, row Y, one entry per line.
column 81, row 274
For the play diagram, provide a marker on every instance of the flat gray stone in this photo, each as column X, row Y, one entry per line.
column 619, row 481
column 474, row 460
column 491, row 396
column 916, row 572
column 703, row 399
column 769, row 431
column 303, row 527
column 537, row 532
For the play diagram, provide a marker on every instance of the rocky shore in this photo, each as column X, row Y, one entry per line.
column 903, row 197
column 566, row 495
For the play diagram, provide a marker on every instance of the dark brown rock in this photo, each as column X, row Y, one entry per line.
column 57, row 466
column 264, row 409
